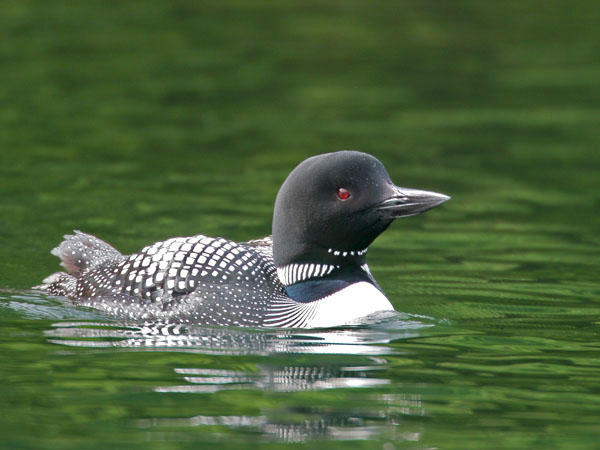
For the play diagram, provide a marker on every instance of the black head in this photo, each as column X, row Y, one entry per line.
column 332, row 206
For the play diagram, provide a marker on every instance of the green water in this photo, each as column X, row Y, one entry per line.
column 138, row 121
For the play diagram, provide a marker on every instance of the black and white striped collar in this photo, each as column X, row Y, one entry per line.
column 294, row 273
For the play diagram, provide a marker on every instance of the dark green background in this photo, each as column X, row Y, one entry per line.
column 138, row 121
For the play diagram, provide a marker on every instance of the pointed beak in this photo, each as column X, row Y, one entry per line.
column 406, row 202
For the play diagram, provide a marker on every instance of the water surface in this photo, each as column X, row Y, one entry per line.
column 138, row 122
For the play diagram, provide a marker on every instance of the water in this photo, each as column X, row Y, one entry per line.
column 137, row 122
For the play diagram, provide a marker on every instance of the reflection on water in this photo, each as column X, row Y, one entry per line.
column 282, row 362
column 380, row 418
column 355, row 424
column 279, row 378
column 208, row 340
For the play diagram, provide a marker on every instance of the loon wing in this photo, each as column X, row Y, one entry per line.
column 264, row 246
column 195, row 279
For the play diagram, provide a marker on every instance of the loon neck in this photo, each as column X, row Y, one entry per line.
column 312, row 289
column 334, row 261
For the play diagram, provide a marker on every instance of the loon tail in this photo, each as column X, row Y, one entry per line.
column 79, row 253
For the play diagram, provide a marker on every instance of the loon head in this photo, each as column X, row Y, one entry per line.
column 332, row 206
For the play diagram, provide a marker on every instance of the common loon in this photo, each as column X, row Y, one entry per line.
column 311, row 273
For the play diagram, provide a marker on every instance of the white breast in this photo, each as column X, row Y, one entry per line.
column 345, row 307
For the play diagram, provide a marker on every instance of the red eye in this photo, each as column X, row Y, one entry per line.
column 343, row 194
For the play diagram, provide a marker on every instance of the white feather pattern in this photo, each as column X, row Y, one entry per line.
column 345, row 307
column 293, row 273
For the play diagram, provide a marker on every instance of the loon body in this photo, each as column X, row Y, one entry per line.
column 311, row 273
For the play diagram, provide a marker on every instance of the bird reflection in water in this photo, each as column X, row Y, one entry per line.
column 367, row 346
column 364, row 340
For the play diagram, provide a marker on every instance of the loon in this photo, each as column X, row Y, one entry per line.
column 311, row 273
